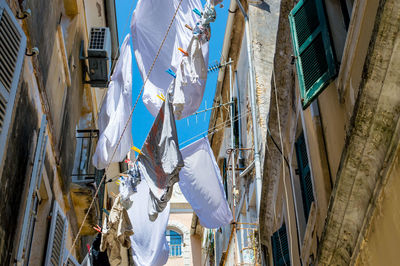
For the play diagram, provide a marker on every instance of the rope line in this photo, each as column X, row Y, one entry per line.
column 284, row 177
column 120, row 138
column 213, row 130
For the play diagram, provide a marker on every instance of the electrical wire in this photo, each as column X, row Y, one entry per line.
column 284, row 176
column 123, row 131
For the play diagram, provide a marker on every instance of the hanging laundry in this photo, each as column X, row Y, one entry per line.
column 128, row 184
column 116, row 232
column 201, row 184
column 160, row 159
column 147, row 38
column 115, row 111
column 98, row 258
column 149, row 243
column 215, row 2
column 190, row 79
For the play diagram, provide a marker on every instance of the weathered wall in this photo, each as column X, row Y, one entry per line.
column 369, row 143
column 17, row 167
column 381, row 243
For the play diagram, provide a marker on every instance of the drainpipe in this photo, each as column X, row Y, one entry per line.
column 253, row 108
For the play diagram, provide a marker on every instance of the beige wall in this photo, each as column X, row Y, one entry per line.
column 381, row 243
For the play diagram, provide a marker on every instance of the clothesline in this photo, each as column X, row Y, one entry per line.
column 213, row 130
column 119, row 140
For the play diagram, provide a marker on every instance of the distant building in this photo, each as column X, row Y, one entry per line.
column 328, row 106
column 48, row 121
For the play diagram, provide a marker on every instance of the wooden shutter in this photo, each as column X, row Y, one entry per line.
column 280, row 247
column 312, row 48
column 32, row 198
column 70, row 260
column 57, row 237
column 12, row 51
column 305, row 175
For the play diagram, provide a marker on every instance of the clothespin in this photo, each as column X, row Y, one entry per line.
column 97, row 228
column 197, row 12
column 106, row 212
column 161, row 97
column 118, row 182
column 187, row 26
column 135, row 148
column 183, row 51
column 88, row 248
column 172, row 73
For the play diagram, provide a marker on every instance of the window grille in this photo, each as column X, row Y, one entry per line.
column 84, row 171
column 175, row 243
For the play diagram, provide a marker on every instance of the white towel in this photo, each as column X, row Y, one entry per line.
column 115, row 111
column 201, row 184
column 149, row 243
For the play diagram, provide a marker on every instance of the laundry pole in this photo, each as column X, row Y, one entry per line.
column 253, row 108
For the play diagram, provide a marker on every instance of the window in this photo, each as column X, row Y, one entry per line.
column 312, row 47
column 305, row 175
column 12, row 50
column 175, row 243
column 84, row 171
column 32, row 200
column 57, row 237
column 280, row 247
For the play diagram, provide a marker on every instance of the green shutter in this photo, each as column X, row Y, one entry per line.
column 312, row 48
column 280, row 247
column 305, row 175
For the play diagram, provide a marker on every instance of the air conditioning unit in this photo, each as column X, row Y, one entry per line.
column 99, row 56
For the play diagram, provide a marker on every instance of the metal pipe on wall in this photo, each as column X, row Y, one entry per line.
column 253, row 108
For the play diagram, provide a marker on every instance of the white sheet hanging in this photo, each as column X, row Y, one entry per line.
column 149, row 243
column 149, row 24
column 115, row 111
column 201, row 184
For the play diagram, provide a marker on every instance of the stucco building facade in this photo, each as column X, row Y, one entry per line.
column 327, row 104
column 48, row 118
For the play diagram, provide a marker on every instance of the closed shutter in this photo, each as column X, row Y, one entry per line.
column 312, row 48
column 12, row 50
column 305, row 175
column 280, row 247
column 57, row 237
column 70, row 260
column 29, row 219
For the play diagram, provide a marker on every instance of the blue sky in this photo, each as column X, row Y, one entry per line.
column 142, row 120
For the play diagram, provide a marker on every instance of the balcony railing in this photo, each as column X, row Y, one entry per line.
column 175, row 250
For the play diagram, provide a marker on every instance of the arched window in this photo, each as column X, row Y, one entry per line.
column 175, row 243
